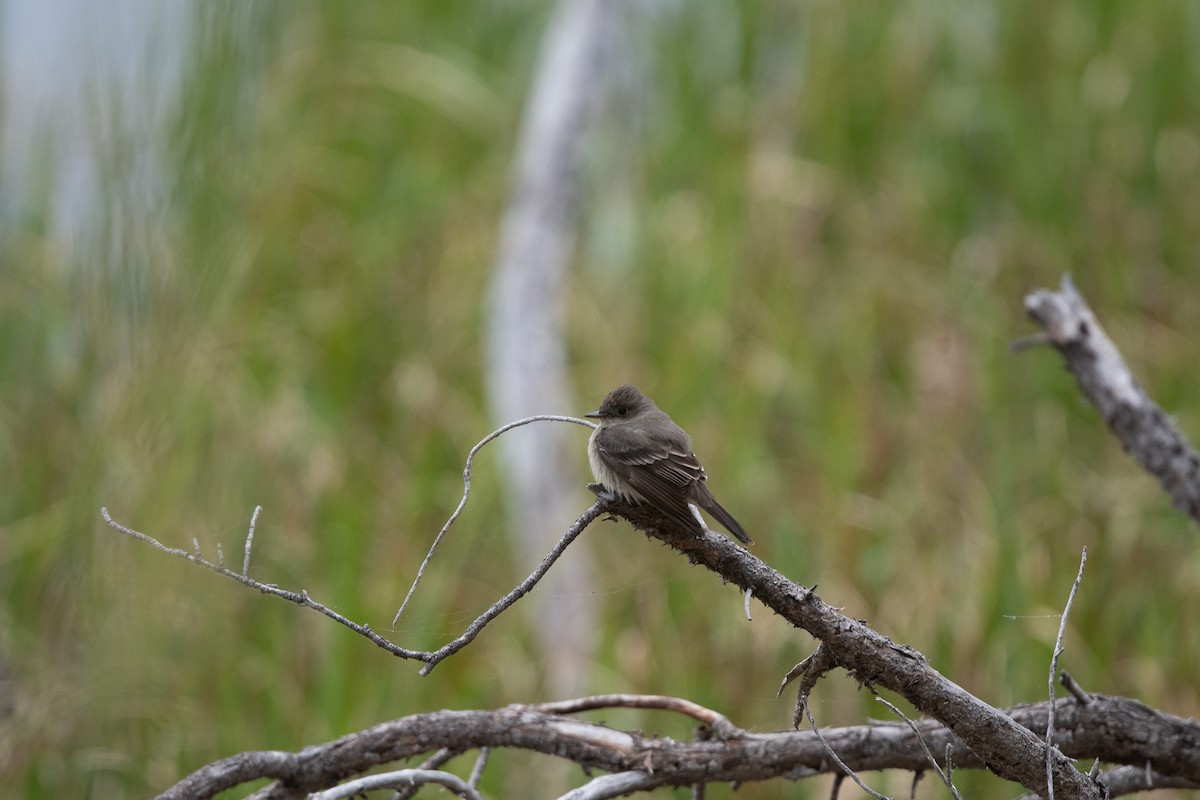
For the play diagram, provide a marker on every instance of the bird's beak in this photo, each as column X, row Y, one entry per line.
column 593, row 414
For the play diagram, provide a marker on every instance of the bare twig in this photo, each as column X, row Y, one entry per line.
column 721, row 727
column 467, row 492
column 497, row 608
column 925, row 747
column 845, row 770
column 250, row 542
column 433, row 762
column 912, row 787
column 950, row 763
column 478, row 767
column 617, row 785
column 1142, row 427
column 402, row 777
column 1074, row 688
column 1058, row 650
column 300, row 598
column 810, row 670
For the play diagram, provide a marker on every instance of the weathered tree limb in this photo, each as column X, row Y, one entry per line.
column 1143, row 428
column 1117, row 730
column 1007, row 749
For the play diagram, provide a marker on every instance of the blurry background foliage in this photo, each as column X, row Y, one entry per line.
column 808, row 231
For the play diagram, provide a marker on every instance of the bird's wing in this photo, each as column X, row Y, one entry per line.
column 661, row 471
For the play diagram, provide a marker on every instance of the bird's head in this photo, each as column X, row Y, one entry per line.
column 624, row 402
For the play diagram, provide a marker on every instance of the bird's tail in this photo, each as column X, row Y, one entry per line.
column 704, row 498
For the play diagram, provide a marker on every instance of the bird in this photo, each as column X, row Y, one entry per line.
column 638, row 453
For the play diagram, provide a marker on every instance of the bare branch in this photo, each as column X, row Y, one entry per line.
column 1130, row 780
column 1006, row 747
column 1142, row 427
column 1117, row 730
column 1011, row 751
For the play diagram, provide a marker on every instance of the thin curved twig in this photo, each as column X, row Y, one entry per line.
column 719, row 724
column 522, row 589
column 944, row 774
column 433, row 762
column 845, row 770
column 467, row 492
column 615, row 785
column 399, row 778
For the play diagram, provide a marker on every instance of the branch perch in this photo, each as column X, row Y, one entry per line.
column 1008, row 749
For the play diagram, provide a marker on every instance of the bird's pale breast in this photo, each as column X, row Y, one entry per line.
column 606, row 476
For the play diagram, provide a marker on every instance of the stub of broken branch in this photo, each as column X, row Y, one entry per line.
column 1142, row 427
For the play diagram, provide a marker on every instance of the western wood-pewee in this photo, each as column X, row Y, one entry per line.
column 640, row 454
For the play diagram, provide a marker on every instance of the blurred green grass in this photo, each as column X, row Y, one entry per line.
column 814, row 259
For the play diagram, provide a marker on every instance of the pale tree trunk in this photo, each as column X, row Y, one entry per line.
column 526, row 368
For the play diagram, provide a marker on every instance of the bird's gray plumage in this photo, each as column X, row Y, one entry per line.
column 639, row 453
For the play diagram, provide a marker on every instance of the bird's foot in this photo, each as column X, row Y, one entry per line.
column 602, row 492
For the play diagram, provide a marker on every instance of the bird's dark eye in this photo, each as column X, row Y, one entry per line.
column 622, row 411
